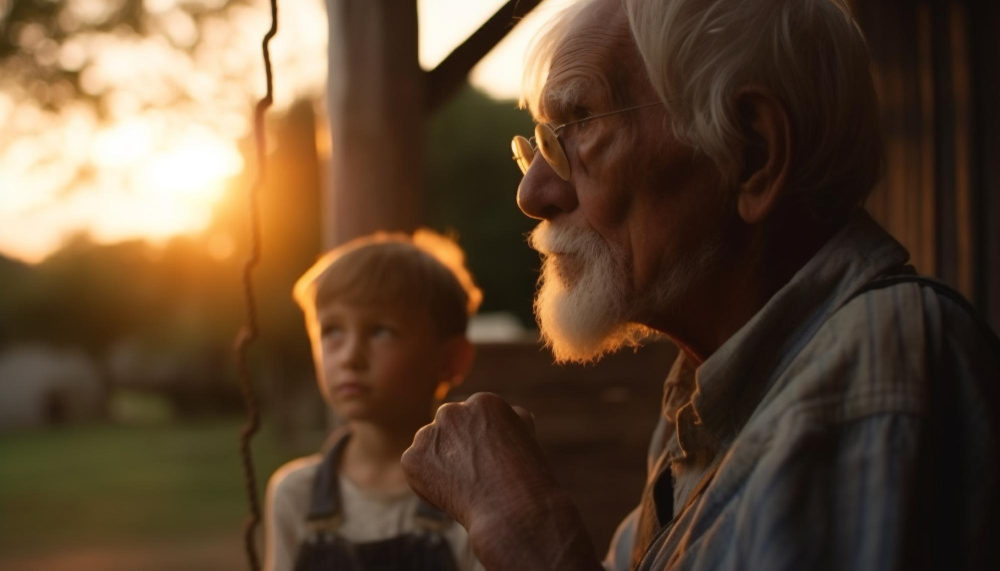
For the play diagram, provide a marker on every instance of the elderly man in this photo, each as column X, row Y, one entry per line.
column 702, row 168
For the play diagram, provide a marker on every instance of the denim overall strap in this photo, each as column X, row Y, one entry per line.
column 326, row 505
column 430, row 518
column 425, row 550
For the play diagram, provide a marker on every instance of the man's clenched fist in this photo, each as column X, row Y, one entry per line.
column 478, row 460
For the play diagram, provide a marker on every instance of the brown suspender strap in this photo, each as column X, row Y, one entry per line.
column 693, row 497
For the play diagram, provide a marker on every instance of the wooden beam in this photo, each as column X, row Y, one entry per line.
column 445, row 79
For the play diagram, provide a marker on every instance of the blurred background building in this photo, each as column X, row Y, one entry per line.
column 124, row 159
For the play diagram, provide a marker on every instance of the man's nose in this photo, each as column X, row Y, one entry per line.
column 542, row 194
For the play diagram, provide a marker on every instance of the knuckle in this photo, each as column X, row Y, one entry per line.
column 524, row 413
column 408, row 460
column 446, row 412
column 419, row 440
column 412, row 456
column 484, row 399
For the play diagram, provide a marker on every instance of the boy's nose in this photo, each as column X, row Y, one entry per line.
column 354, row 355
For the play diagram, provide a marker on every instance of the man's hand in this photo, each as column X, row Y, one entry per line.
column 479, row 462
column 471, row 447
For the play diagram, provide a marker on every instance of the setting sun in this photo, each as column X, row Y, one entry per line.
column 194, row 171
column 181, row 175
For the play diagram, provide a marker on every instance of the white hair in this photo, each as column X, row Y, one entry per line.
column 810, row 54
column 540, row 53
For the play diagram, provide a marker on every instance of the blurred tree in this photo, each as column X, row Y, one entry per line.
column 15, row 276
column 78, row 297
column 471, row 190
column 174, row 301
column 39, row 60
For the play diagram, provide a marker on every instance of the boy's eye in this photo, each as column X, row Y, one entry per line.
column 330, row 329
column 382, row 331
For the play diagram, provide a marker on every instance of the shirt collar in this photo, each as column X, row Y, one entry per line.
column 731, row 382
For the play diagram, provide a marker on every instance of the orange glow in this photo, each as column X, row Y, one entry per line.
column 157, row 163
column 194, row 171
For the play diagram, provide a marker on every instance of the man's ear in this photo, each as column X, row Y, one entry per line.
column 766, row 153
column 458, row 353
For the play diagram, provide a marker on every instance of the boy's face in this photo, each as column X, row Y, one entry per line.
column 381, row 363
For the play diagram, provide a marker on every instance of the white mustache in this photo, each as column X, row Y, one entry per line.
column 548, row 239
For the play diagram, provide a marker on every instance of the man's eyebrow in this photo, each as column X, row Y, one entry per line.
column 558, row 102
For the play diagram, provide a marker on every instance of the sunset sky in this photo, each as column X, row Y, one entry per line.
column 155, row 169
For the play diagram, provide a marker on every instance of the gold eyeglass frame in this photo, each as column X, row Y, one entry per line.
column 550, row 146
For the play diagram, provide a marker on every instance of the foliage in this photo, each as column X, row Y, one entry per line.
column 14, row 275
column 36, row 54
column 471, row 189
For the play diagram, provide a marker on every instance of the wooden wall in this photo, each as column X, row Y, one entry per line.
column 936, row 67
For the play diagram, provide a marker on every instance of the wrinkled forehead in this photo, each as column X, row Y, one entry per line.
column 590, row 66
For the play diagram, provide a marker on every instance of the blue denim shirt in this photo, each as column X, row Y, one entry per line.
column 821, row 420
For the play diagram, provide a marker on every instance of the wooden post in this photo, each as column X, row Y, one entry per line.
column 378, row 99
column 375, row 105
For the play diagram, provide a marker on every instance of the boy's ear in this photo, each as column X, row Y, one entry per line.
column 458, row 354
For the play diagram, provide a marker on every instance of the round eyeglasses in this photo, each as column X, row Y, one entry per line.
column 546, row 141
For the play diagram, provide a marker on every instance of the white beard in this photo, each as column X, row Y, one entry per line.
column 582, row 321
column 596, row 315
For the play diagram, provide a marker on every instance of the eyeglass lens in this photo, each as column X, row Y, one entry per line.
column 523, row 153
column 548, row 146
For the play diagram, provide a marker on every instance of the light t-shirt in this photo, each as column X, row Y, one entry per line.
column 367, row 516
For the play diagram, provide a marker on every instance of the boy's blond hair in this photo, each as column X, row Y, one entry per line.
column 425, row 269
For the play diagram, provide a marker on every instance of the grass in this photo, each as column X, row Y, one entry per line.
column 113, row 485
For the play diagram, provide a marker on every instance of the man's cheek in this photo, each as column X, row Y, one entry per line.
column 607, row 204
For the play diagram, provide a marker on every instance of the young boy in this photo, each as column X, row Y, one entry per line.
column 386, row 316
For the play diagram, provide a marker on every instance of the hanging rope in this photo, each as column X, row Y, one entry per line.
column 248, row 333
